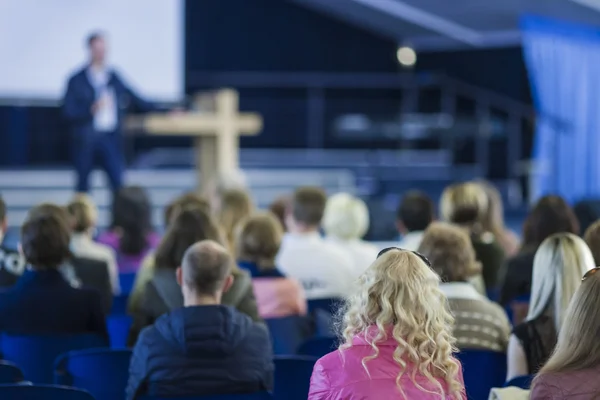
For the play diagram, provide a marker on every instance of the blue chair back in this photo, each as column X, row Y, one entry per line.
column 248, row 396
column 330, row 305
column 292, row 377
column 35, row 354
column 482, row 370
column 42, row 392
column 523, row 382
column 119, row 305
column 126, row 281
column 102, row 372
column 287, row 333
column 10, row 373
column 318, row 346
column 118, row 330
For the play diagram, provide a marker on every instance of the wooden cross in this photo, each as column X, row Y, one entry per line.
column 216, row 128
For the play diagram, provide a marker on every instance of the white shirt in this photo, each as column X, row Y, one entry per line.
column 324, row 270
column 105, row 119
column 363, row 253
column 461, row 290
column 83, row 246
column 411, row 241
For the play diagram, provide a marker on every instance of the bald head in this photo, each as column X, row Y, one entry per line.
column 205, row 267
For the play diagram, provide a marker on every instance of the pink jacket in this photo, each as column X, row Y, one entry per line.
column 575, row 385
column 341, row 376
column 279, row 297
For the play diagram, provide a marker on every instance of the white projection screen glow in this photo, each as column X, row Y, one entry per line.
column 43, row 42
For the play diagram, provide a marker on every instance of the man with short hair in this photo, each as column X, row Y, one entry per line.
column 204, row 348
column 415, row 212
column 324, row 270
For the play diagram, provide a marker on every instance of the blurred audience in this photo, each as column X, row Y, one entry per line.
column 396, row 335
column 559, row 263
column 279, row 208
column 84, row 217
column 345, row 222
column 550, row 215
column 493, row 220
column 12, row 263
column 186, row 200
column 480, row 324
column 324, row 270
column 592, row 239
column 162, row 293
column 235, row 205
column 258, row 241
column 415, row 212
column 218, row 185
column 130, row 234
column 204, row 348
column 465, row 205
column 572, row 370
column 43, row 301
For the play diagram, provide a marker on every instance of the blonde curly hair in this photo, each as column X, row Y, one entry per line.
column 399, row 295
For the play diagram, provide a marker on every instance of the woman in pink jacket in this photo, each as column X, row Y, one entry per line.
column 397, row 341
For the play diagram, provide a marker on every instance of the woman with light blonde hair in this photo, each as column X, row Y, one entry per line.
column 84, row 217
column 572, row 370
column 558, row 265
column 466, row 205
column 396, row 337
column 493, row 220
column 235, row 206
column 346, row 221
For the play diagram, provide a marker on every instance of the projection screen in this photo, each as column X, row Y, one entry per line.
column 43, row 42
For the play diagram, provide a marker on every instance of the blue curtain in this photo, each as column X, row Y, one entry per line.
column 563, row 61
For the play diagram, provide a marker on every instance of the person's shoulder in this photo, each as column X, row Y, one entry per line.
column 78, row 73
column 336, row 253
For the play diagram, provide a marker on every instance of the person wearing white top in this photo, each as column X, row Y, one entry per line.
column 325, row 270
column 85, row 216
column 345, row 222
column 415, row 212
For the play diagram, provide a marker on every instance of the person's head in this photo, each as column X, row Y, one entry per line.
column 464, row 204
column 307, row 209
column 559, row 263
column 96, row 44
column 398, row 296
column 346, row 217
column 3, row 219
column 216, row 187
column 592, row 239
column 131, row 219
column 258, row 239
column 450, row 252
column 190, row 225
column 54, row 209
column 45, row 237
column 235, row 206
column 279, row 208
column 84, row 214
column 550, row 215
column 578, row 347
column 415, row 212
column 205, row 273
column 187, row 200
column 493, row 218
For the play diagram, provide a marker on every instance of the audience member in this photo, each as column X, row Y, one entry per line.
column 279, row 208
column 592, row 239
column 43, row 301
column 235, row 205
column 324, row 270
column 12, row 263
column 215, row 187
column 572, row 370
column 559, row 263
column 258, row 240
column 84, row 216
column 162, row 292
column 204, row 348
column 396, row 335
column 480, row 324
column 493, row 220
column 186, row 200
column 550, row 215
column 130, row 235
column 465, row 205
column 346, row 221
column 415, row 212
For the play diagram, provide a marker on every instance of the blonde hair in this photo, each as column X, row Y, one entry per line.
column 559, row 263
column 258, row 239
column 83, row 212
column 236, row 205
column 450, row 252
column 346, row 217
column 578, row 347
column 399, row 295
column 464, row 204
